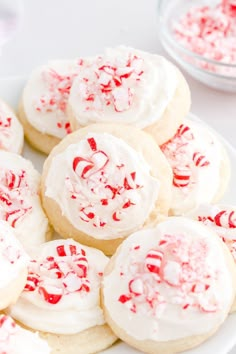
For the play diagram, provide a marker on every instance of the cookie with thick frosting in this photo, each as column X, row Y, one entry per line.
column 13, row 266
column 20, row 204
column 61, row 298
column 200, row 165
column 103, row 182
column 17, row 340
column 169, row 288
column 129, row 86
column 11, row 131
column 43, row 104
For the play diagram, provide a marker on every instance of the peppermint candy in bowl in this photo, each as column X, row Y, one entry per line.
column 200, row 37
column 169, row 288
column 61, row 298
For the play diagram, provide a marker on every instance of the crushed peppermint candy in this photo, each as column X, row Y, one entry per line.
column 116, row 197
column 57, row 93
column 222, row 219
column 13, row 192
column 7, row 329
column 210, row 31
column 61, row 275
column 110, row 83
column 177, row 263
column 182, row 164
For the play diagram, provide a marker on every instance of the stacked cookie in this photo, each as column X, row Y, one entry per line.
column 127, row 173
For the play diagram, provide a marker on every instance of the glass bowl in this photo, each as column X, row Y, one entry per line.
column 215, row 74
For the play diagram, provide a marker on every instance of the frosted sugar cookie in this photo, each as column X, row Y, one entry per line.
column 169, row 288
column 200, row 165
column 103, row 182
column 13, row 266
column 61, row 298
column 11, row 131
column 222, row 219
column 43, row 104
column 20, row 203
column 129, row 86
column 16, row 340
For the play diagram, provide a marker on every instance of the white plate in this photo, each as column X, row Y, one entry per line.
column 224, row 340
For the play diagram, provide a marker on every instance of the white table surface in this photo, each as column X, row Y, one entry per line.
column 53, row 29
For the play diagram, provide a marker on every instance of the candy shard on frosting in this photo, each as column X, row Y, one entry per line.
column 105, row 187
column 11, row 131
column 222, row 219
column 123, row 86
column 16, row 340
column 46, row 94
column 169, row 282
column 62, row 289
column 195, row 156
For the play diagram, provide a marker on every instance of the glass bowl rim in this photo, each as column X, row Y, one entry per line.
column 187, row 51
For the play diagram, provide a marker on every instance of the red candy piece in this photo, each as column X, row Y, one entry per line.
column 153, row 261
column 49, row 296
column 200, row 160
column 63, row 250
column 181, row 177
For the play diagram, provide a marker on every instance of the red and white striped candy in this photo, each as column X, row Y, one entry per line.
column 136, row 286
column 181, row 176
column 129, row 181
column 32, row 282
column 50, row 293
column 199, row 287
column 85, row 285
column 185, row 131
column 82, row 265
column 13, row 216
column 66, row 250
column 72, row 282
column 226, row 219
column 153, row 261
column 14, row 180
column 85, row 167
column 200, row 160
column 207, row 305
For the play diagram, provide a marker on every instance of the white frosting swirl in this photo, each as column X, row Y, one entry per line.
column 16, row 340
column 123, row 86
column 20, row 204
column 195, row 156
column 103, row 186
column 222, row 219
column 170, row 282
column 13, row 259
column 45, row 96
column 11, row 131
column 62, row 289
